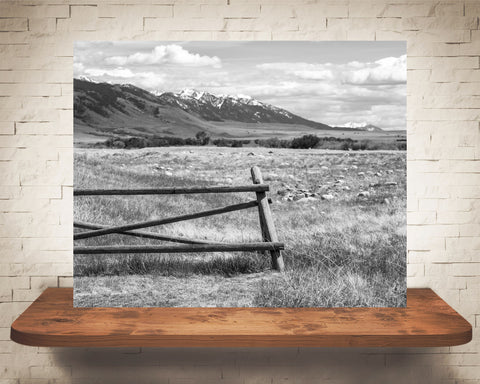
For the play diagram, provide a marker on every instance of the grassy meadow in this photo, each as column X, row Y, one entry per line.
column 345, row 249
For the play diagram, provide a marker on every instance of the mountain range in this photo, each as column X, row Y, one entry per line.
column 104, row 109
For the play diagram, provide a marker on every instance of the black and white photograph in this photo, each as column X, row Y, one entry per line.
column 240, row 174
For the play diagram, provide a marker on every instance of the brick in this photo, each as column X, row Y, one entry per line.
column 15, row 37
column 464, row 62
column 289, row 24
column 421, row 217
column 9, row 192
column 450, row 9
column 415, row 270
column 367, row 9
column 453, row 217
column 443, row 114
column 356, row 35
column 312, row 23
column 428, row 205
column 235, row 10
column 43, row 269
column 5, row 333
column 244, row 24
column 408, row 10
column 284, row 11
column 183, row 24
column 26, row 295
column 83, row 18
column 45, row 257
column 462, row 205
column 35, row 10
column 53, row 244
column 43, row 282
column 472, row 8
column 419, row 62
column 65, row 281
column 135, row 11
column 41, row 192
column 13, row 24
column 11, row 269
column 30, row 89
column 46, row 230
column 469, row 230
column 462, row 243
column 15, row 50
column 466, row 192
column 438, row 23
column 242, row 35
column 436, row 230
column 7, row 128
column 422, row 243
column 48, row 63
column 9, row 312
column 48, row 25
column 310, row 34
column 464, row 75
column 321, row 10
column 195, row 10
column 38, row 128
column 10, row 284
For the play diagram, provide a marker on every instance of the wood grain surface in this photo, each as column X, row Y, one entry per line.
column 427, row 321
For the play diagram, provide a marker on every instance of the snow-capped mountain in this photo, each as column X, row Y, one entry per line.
column 361, row 126
column 241, row 108
column 103, row 108
column 86, row 78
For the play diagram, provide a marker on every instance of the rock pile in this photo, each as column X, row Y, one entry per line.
column 302, row 195
column 338, row 185
column 289, row 193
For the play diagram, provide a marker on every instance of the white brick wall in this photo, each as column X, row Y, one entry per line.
column 36, row 40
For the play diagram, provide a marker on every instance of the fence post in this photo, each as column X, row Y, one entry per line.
column 269, row 233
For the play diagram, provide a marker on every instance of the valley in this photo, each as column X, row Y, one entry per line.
column 103, row 111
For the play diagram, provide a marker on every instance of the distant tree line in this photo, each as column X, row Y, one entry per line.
column 201, row 138
column 303, row 142
column 345, row 144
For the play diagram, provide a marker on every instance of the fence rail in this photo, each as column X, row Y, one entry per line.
column 218, row 247
column 172, row 191
column 145, row 235
column 169, row 220
column 270, row 240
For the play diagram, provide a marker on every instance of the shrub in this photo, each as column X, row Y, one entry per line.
column 306, row 142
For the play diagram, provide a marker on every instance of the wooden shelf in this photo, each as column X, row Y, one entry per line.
column 426, row 322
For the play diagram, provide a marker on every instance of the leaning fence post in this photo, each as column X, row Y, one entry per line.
column 269, row 233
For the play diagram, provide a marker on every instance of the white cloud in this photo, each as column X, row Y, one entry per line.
column 304, row 71
column 78, row 69
column 123, row 73
column 147, row 80
column 150, row 81
column 389, row 70
column 313, row 75
column 166, row 54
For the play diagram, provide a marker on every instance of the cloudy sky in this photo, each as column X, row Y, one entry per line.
column 330, row 82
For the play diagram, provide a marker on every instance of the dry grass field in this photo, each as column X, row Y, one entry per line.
column 341, row 215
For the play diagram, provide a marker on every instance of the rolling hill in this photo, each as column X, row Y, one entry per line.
column 102, row 110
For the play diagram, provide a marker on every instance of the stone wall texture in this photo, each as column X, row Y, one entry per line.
column 36, row 125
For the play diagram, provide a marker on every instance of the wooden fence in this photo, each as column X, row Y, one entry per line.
column 270, row 242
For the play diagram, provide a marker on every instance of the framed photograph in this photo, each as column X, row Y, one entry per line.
column 240, row 174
